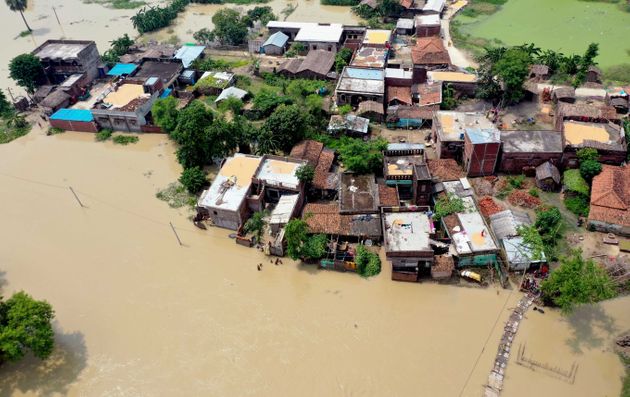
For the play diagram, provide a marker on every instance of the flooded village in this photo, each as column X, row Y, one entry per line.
column 305, row 198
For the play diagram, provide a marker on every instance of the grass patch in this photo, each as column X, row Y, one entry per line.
column 579, row 205
column 224, row 64
column 9, row 132
column 54, row 131
column 125, row 139
column 103, row 135
column 176, row 196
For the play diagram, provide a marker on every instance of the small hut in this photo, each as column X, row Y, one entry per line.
column 563, row 94
column 547, row 177
column 593, row 75
column 55, row 101
column 539, row 72
column 276, row 44
column 371, row 110
column 620, row 104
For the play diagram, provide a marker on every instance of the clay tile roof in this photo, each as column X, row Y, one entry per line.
column 406, row 3
column 610, row 196
column 387, row 196
column 402, row 94
column 308, row 150
column 445, row 169
column 429, row 51
column 323, row 218
column 322, row 178
column 430, row 94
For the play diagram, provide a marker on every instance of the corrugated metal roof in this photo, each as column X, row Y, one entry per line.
column 320, row 33
column 284, row 209
column 519, row 254
column 122, row 68
column 189, row 53
column 231, row 92
column 277, row 39
column 73, row 115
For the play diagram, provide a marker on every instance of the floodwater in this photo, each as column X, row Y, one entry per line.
column 139, row 315
column 78, row 20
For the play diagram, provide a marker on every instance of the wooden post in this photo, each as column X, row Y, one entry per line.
column 176, row 235
column 76, row 197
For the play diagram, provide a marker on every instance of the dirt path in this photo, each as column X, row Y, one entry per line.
column 458, row 57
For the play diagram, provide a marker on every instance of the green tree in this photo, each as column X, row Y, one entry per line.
column 266, row 142
column 448, row 97
column 256, row 224
column 362, row 157
column 586, row 61
column 587, row 153
column 118, row 48
column 20, row 6
column 314, row 247
column 296, row 235
column 192, row 135
column 6, row 108
column 305, row 173
column 590, row 168
column 165, row 113
column 204, row 36
column 233, row 104
column 266, row 101
column 194, row 179
column 228, row 27
column 263, row 14
column 25, row 325
column 548, row 221
column 368, row 263
column 27, row 71
column 342, row 58
column 513, row 69
column 576, row 282
column 288, row 124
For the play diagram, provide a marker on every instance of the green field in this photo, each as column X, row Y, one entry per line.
column 564, row 25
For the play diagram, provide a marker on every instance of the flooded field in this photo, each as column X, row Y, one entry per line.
column 138, row 315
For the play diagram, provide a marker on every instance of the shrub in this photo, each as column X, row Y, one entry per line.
column 578, row 205
column 368, row 263
column 125, row 139
column 305, row 173
column 516, row 181
column 447, row 205
column 590, row 168
column 534, row 192
column 103, row 135
column 344, row 109
column 193, row 179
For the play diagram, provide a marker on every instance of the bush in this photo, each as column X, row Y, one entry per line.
column 533, row 192
column 125, row 139
column 368, row 263
column 103, row 135
column 516, row 181
column 589, row 169
column 573, row 182
column 305, row 173
column 578, row 205
column 447, row 205
column 193, row 179
column 344, row 109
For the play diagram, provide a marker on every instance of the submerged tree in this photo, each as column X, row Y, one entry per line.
column 256, row 224
column 20, row 6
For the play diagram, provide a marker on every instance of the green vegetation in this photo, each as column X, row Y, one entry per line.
column 618, row 74
column 574, row 183
column 256, row 224
column 479, row 7
column 626, row 127
column 27, row 71
column 103, row 135
column 579, row 205
column 125, row 139
column 533, row 192
column 203, row 36
column 384, row 8
column 193, row 179
column 340, row 2
column 296, row 49
column 589, row 164
column 576, row 282
column 25, row 326
column 305, row 173
column 154, row 18
column 344, row 109
column 267, row 101
column 543, row 236
column 19, row 6
column 300, row 245
column 165, row 112
column 262, row 14
column 566, row 24
column 12, row 124
column 368, row 263
column 118, row 48
column 219, row 64
column 362, row 157
column 342, row 58
column 25, row 33
column 229, row 27
column 625, row 388
column 516, row 181
column 447, row 205
column 176, row 196
column 54, row 131
column 449, row 102
column 118, row 4
column 231, row 104
column 283, row 129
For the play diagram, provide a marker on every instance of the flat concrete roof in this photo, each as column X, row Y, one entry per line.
column 358, row 193
column 61, row 49
column 474, row 236
column 576, row 133
column 231, row 185
column 279, row 172
column 320, row 33
column 407, row 231
column 371, row 81
column 403, row 165
column 453, row 125
column 531, row 141
column 428, row 20
column 377, row 36
column 124, row 94
column 454, row 77
column 370, row 57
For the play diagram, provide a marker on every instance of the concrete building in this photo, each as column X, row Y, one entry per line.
column 481, row 151
column 407, row 239
column 464, row 84
column 275, row 177
column 449, row 128
column 370, row 57
column 427, row 25
column 276, row 44
column 523, row 151
column 405, row 26
column 380, row 38
column 348, row 124
column 428, row 54
column 321, row 37
column 63, row 58
column 607, row 138
column 356, row 85
column 409, row 174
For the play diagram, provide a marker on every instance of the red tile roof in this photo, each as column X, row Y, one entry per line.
column 322, row 179
column 387, row 196
column 429, row 51
column 445, row 169
column 406, row 3
column 430, row 94
column 308, row 150
column 323, row 218
column 610, row 196
column 402, row 94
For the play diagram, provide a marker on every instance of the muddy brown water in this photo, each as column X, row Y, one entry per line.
column 138, row 315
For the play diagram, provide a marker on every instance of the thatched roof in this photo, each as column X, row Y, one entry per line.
column 564, row 93
column 370, row 106
column 55, row 99
column 539, row 70
column 548, row 170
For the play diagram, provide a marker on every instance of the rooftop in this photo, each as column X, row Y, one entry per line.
column 452, row 125
column 348, row 122
column 610, row 196
column 281, row 173
column 407, row 231
column 61, row 49
column 325, row 218
column 122, row 68
column 124, row 95
column 505, row 223
column 404, row 23
column 520, row 253
column 318, row 61
column 377, row 36
column 362, row 80
column 430, row 51
column 83, row 115
column 452, row 77
column 320, row 33
column 401, row 94
column 406, row 166
column 281, row 214
column 189, row 53
column 231, row 185
column 471, row 235
column 231, row 92
column 164, row 70
column 428, row 93
column 479, row 136
column 434, row 5
column 277, row 39
column 358, row 193
column 531, row 141
column 370, row 57
column 428, row 20
column 391, row 73
column 308, row 150
column 578, row 133
column 445, row 169
column 387, row 196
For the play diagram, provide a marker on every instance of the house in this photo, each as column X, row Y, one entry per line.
column 122, row 69
column 464, row 84
column 73, row 120
column 380, row 38
column 404, row 149
column 189, row 53
column 42, row 92
column 213, row 82
column 444, row 170
column 539, row 72
column 387, row 196
column 56, row 100
column 585, row 113
column 316, row 65
column 427, row 94
column 522, row 151
column 427, row 25
column 358, row 194
column 410, row 175
column 275, row 177
column 398, row 77
column 371, row 110
column 405, row 26
column 320, row 37
column 290, row 29
column 370, row 57
column 166, row 70
column 290, row 67
column 400, row 53
column 563, row 94
column 276, row 44
column 548, row 177
column 619, row 99
column 75, row 85
column 409, row 116
column 407, row 239
column 325, row 218
column 231, row 92
column 519, row 255
column 607, row 138
column 62, row 58
column 593, row 75
column 399, row 96
column 505, row 224
column 140, row 52
column 287, row 208
column 481, row 150
column 348, row 124
column 433, row 7
column 428, row 54
column 356, row 85
column 610, row 201
column 321, row 158
column 448, row 130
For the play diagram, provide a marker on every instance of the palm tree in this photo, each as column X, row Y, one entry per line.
column 19, row 5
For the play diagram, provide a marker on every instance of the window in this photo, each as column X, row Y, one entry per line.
column 314, row 46
column 216, row 213
column 329, row 48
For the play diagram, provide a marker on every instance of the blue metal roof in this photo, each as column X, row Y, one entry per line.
column 479, row 135
column 122, row 68
column 166, row 93
column 73, row 115
column 189, row 53
column 367, row 74
column 278, row 39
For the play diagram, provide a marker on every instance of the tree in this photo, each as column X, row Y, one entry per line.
column 118, row 48
column 204, row 36
column 342, row 58
column 295, row 234
column 262, row 14
column 587, row 153
column 266, row 101
column 25, row 325
column 513, row 69
column 6, row 108
column 266, row 142
column 228, row 27
column 27, row 71
column 192, row 135
column 165, row 113
column 448, row 97
column 20, row 6
column 368, row 263
column 362, row 157
column 233, row 104
column 193, row 179
column 548, row 221
column 305, row 173
column 590, row 168
column 576, row 282
column 256, row 224
column 314, row 247
column 586, row 61
column 288, row 124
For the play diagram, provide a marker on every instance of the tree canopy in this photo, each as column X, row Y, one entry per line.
column 27, row 71
column 20, row 6
column 305, row 173
column 194, row 179
column 229, row 28
column 288, row 124
column 165, row 113
column 512, row 69
column 192, row 135
column 360, row 156
column 300, row 244
column 25, row 325
column 368, row 263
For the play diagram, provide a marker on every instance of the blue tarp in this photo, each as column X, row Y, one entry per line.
column 73, row 115
column 166, row 93
column 122, row 68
